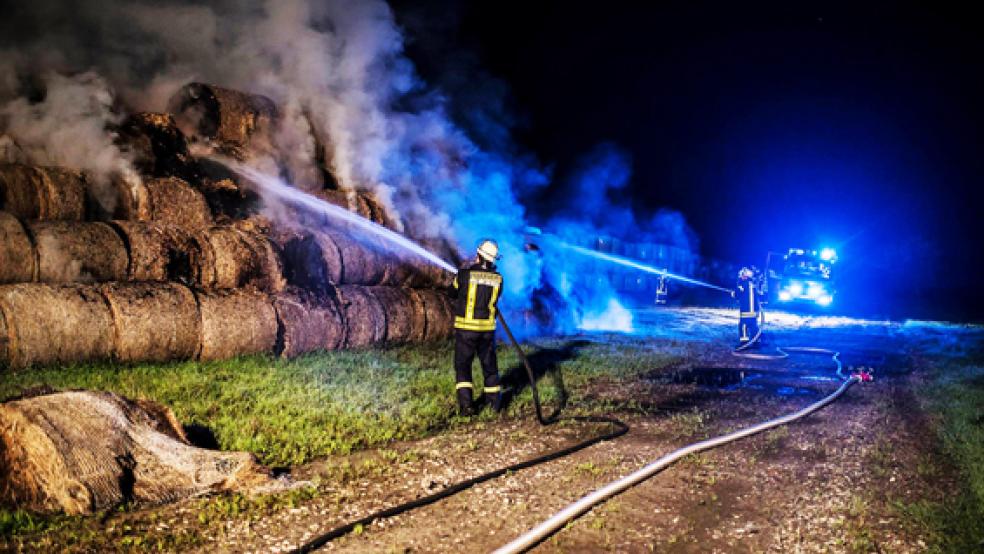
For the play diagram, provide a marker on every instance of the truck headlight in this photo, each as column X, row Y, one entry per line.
column 785, row 296
column 795, row 288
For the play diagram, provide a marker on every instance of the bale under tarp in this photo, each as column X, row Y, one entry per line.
column 235, row 323
column 157, row 253
column 153, row 322
column 405, row 318
column 17, row 258
column 165, row 200
column 53, row 324
column 308, row 323
column 227, row 117
column 69, row 252
column 228, row 258
column 365, row 318
column 82, row 451
column 44, row 193
column 438, row 310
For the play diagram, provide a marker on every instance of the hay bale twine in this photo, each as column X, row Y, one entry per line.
column 83, row 451
column 235, row 323
column 365, row 317
column 17, row 259
column 153, row 322
column 157, row 253
column 54, row 324
column 230, row 258
column 228, row 117
column 166, row 200
column 405, row 321
column 44, row 193
column 439, row 314
column 308, row 323
column 69, row 252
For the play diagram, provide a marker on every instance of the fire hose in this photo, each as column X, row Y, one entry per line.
column 619, row 429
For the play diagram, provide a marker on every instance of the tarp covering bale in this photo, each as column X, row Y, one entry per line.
column 16, row 251
column 46, row 193
column 83, row 451
column 405, row 319
column 228, row 117
column 52, row 324
column 157, row 253
column 308, row 323
column 165, row 200
column 236, row 323
column 69, row 252
column 365, row 318
column 153, row 322
column 440, row 317
column 230, row 258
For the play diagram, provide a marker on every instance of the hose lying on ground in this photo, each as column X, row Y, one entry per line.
column 619, row 429
column 560, row 519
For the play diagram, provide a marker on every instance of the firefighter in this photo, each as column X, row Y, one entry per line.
column 748, row 294
column 476, row 296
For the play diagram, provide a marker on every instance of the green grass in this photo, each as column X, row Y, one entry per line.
column 290, row 412
column 957, row 524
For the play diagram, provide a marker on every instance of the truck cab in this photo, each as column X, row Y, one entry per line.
column 802, row 277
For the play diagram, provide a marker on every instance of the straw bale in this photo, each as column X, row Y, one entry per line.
column 439, row 314
column 229, row 118
column 236, row 322
column 69, row 252
column 167, row 200
column 83, row 451
column 405, row 319
column 229, row 258
column 153, row 322
column 44, row 193
column 54, row 324
column 365, row 317
column 308, row 323
column 17, row 258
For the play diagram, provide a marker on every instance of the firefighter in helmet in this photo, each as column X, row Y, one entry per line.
column 749, row 298
column 476, row 295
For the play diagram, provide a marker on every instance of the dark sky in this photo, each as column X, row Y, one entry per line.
column 768, row 126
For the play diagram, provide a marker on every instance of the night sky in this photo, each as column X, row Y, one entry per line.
column 767, row 126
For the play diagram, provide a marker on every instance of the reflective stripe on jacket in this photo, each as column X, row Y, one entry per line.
column 477, row 294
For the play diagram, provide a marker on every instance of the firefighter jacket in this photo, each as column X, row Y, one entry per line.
column 749, row 296
column 476, row 294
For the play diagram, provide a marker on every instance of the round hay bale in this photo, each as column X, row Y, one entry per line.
column 17, row 257
column 405, row 321
column 229, row 117
column 166, row 200
column 82, row 451
column 313, row 261
column 438, row 313
column 71, row 252
column 365, row 317
column 55, row 324
column 157, row 253
column 308, row 324
column 44, row 193
column 157, row 146
column 236, row 323
column 229, row 258
column 356, row 202
column 362, row 260
column 153, row 322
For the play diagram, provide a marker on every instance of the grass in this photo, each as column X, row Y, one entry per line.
column 290, row 412
column 957, row 523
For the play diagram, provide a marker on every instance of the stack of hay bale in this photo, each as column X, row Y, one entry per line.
column 182, row 266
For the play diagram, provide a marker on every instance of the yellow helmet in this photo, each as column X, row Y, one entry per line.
column 488, row 250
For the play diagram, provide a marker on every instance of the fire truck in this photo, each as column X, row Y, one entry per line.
column 802, row 277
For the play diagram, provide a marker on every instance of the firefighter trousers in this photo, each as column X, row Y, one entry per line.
column 468, row 344
column 748, row 328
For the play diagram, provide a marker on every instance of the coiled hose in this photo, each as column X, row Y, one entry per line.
column 557, row 521
column 619, row 429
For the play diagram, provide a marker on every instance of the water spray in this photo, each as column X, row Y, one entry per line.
column 626, row 262
column 286, row 193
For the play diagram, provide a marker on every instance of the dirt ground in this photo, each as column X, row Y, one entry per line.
column 828, row 483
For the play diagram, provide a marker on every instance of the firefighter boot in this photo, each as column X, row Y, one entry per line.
column 465, row 403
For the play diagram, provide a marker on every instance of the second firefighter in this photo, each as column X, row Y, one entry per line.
column 476, row 296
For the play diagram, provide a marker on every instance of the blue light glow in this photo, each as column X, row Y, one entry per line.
column 825, row 300
column 815, row 290
column 827, row 254
column 785, row 296
column 795, row 288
